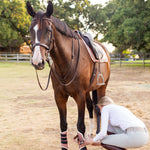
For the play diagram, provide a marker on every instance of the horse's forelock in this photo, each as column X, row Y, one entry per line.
column 38, row 18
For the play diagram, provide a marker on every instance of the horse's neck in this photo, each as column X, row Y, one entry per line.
column 61, row 54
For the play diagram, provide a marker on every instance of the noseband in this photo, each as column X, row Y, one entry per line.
column 40, row 44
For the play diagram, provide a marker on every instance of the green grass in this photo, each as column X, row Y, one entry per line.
column 136, row 63
column 18, row 79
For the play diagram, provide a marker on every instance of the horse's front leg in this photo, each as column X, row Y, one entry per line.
column 80, row 99
column 61, row 104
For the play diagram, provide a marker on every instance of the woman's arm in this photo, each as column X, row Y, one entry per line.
column 104, row 125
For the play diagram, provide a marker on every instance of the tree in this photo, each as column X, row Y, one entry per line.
column 71, row 12
column 124, row 23
column 14, row 23
column 127, row 26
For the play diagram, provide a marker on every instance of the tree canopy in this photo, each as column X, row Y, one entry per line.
column 14, row 23
column 124, row 23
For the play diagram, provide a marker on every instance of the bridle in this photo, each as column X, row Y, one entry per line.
column 47, row 59
column 42, row 44
column 61, row 81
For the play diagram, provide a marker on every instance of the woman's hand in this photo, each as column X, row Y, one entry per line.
column 89, row 141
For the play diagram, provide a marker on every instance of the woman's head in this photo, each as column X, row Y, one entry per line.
column 105, row 100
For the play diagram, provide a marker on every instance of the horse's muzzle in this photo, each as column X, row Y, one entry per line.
column 40, row 65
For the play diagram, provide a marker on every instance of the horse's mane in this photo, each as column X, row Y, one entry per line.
column 60, row 26
column 63, row 28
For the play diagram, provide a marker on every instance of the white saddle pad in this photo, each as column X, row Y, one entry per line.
column 101, row 52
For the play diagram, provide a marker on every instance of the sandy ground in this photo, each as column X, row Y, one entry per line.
column 29, row 118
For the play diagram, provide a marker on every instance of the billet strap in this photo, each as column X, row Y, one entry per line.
column 64, row 140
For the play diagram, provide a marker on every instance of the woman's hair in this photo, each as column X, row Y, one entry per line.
column 105, row 100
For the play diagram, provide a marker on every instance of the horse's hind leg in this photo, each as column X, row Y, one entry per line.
column 97, row 110
column 61, row 104
column 89, row 104
column 97, row 95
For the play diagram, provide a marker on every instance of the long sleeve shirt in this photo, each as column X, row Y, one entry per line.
column 115, row 115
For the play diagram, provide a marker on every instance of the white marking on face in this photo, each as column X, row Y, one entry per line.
column 37, row 58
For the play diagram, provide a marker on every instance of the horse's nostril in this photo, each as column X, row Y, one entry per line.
column 41, row 64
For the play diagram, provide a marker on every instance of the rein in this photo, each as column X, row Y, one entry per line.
column 61, row 81
column 43, row 89
column 48, row 49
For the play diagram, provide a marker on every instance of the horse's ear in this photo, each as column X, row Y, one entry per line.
column 30, row 9
column 49, row 9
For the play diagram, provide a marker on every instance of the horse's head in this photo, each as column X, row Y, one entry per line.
column 41, row 34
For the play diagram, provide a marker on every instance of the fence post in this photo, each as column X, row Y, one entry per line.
column 6, row 57
column 120, row 59
column 30, row 58
column 17, row 58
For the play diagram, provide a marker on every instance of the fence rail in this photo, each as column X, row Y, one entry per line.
column 131, row 59
column 119, row 59
column 15, row 57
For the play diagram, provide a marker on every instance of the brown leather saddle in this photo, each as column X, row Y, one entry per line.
column 90, row 45
column 95, row 58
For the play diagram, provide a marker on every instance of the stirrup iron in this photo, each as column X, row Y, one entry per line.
column 98, row 76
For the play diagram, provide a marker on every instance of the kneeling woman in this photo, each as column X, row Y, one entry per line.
column 120, row 129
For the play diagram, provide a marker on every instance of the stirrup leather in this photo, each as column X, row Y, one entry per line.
column 100, row 75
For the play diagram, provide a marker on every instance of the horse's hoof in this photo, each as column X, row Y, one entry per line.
column 64, row 149
column 84, row 148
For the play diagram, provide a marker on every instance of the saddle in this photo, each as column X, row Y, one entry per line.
column 97, row 55
column 89, row 41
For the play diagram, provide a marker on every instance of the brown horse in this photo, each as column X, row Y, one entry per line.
column 73, row 71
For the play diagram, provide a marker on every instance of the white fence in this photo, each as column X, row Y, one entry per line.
column 115, row 59
column 15, row 57
column 131, row 59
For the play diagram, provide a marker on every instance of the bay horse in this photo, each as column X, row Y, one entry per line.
column 73, row 71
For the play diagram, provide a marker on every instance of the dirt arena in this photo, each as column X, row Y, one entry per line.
column 29, row 118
